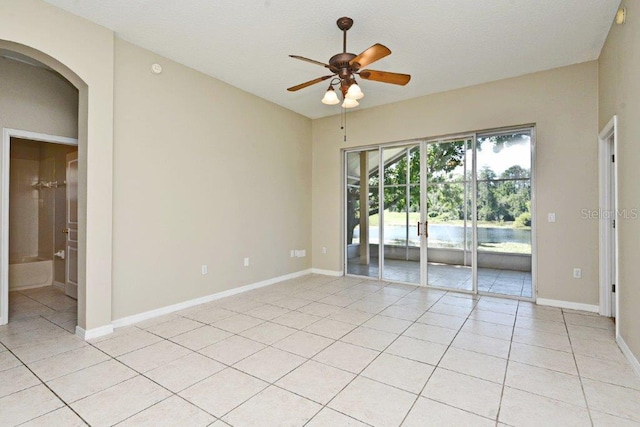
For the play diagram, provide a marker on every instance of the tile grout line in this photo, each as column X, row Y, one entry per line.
column 150, row 379
column 572, row 353
column 506, row 368
column 374, row 359
column 269, row 383
column 323, row 406
column 359, row 373
column 575, row 362
column 65, row 404
column 440, row 360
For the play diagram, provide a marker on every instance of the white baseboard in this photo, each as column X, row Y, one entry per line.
column 130, row 320
column 59, row 285
column 94, row 333
column 24, row 288
column 628, row 354
column 326, row 272
column 568, row 304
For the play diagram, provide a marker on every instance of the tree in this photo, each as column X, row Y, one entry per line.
column 499, row 198
column 486, row 201
column 442, row 160
column 514, row 193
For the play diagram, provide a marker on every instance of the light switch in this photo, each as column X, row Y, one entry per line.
column 552, row 217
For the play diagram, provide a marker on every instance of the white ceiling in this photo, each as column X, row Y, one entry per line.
column 443, row 44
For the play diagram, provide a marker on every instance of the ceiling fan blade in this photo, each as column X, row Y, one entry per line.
column 374, row 53
column 313, row 61
column 309, row 83
column 385, row 77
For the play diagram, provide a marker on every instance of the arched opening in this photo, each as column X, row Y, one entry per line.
column 17, row 124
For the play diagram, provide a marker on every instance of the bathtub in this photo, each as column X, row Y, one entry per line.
column 30, row 272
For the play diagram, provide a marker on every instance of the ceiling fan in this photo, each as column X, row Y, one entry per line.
column 344, row 68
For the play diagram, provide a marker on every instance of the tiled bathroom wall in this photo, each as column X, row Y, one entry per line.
column 23, row 199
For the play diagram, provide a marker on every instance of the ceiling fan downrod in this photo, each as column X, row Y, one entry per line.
column 344, row 24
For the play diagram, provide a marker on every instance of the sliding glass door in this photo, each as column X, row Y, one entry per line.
column 449, row 219
column 504, row 213
column 450, row 213
column 400, row 252
column 362, row 231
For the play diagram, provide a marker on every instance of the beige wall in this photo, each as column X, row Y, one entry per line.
column 37, row 100
column 619, row 67
column 204, row 173
column 563, row 105
column 83, row 52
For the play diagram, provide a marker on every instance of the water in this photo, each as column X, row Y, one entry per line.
column 452, row 234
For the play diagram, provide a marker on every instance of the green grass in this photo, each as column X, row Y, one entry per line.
column 395, row 218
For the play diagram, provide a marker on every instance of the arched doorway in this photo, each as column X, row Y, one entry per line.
column 94, row 199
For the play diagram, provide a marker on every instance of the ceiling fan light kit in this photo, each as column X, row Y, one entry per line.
column 330, row 97
column 354, row 92
column 349, row 103
column 345, row 66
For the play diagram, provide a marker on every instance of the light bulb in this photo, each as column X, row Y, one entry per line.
column 330, row 97
column 350, row 103
column 354, row 92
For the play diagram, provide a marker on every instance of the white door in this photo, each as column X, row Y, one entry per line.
column 71, row 282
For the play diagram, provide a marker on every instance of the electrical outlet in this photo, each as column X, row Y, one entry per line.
column 577, row 273
column 246, row 262
column 205, row 269
column 324, row 250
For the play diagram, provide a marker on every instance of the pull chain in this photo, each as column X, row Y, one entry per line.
column 343, row 123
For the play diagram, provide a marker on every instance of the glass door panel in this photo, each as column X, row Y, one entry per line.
column 362, row 232
column 504, row 213
column 450, row 226
column 401, row 193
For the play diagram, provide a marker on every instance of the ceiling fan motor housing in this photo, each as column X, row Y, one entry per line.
column 339, row 64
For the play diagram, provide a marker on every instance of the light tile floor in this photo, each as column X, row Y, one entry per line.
column 321, row 351
column 491, row 280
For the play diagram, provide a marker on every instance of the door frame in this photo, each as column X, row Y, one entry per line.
column 424, row 259
column 5, row 162
column 534, row 211
column 381, row 245
column 474, row 135
column 608, row 203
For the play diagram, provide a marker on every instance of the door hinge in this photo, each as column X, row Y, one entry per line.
column 613, row 222
column 613, row 158
column 613, row 287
